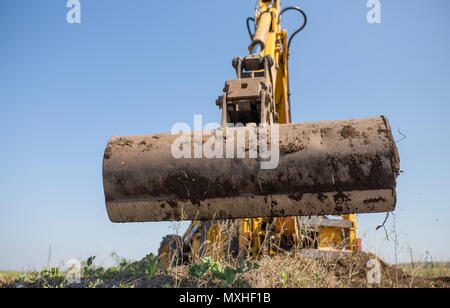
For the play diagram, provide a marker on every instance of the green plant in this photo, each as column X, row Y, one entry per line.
column 284, row 278
column 124, row 286
column 20, row 279
column 60, row 285
column 49, row 277
column 50, row 272
column 90, row 260
column 148, row 268
column 227, row 275
column 94, row 284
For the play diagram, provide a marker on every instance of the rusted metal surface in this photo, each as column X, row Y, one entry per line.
column 325, row 168
column 249, row 98
column 317, row 222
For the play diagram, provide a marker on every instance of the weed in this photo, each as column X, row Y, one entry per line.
column 20, row 279
column 283, row 278
column 226, row 275
column 94, row 284
column 124, row 286
column 146, row 268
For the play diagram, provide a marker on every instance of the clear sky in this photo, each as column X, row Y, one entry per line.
column 135, row 67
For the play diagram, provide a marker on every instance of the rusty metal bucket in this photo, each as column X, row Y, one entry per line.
column 325, row 168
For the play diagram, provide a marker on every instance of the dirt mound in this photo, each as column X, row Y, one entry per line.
column 356, row 267
column 280, row 271
column 354, row 270
column 350, row 271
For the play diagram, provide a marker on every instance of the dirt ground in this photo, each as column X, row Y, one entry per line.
column 282, row 271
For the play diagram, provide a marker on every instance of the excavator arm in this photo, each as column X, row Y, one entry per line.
column 325, row 168
column 264, row 69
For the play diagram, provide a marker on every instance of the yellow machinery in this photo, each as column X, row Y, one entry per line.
column 325, row 168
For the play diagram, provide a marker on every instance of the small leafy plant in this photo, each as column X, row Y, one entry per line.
column 147, row 268
column 20, row 279
column 227, row 275
column 94, row 284
column 284, row 278
column 124, row 286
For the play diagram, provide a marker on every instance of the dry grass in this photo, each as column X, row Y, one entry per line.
column 288, row 270
column 291, row 272
column 284, row 270
column 280, row 271
column 427, row 269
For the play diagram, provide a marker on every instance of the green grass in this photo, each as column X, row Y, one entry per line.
column 11, row 274
column 90, row 276
column 430, row 270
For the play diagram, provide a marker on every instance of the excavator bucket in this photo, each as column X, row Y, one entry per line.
column 323, row 168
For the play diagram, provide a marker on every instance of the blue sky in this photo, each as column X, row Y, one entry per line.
column 139, row 67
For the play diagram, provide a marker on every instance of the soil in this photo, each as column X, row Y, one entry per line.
column 345, row 271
